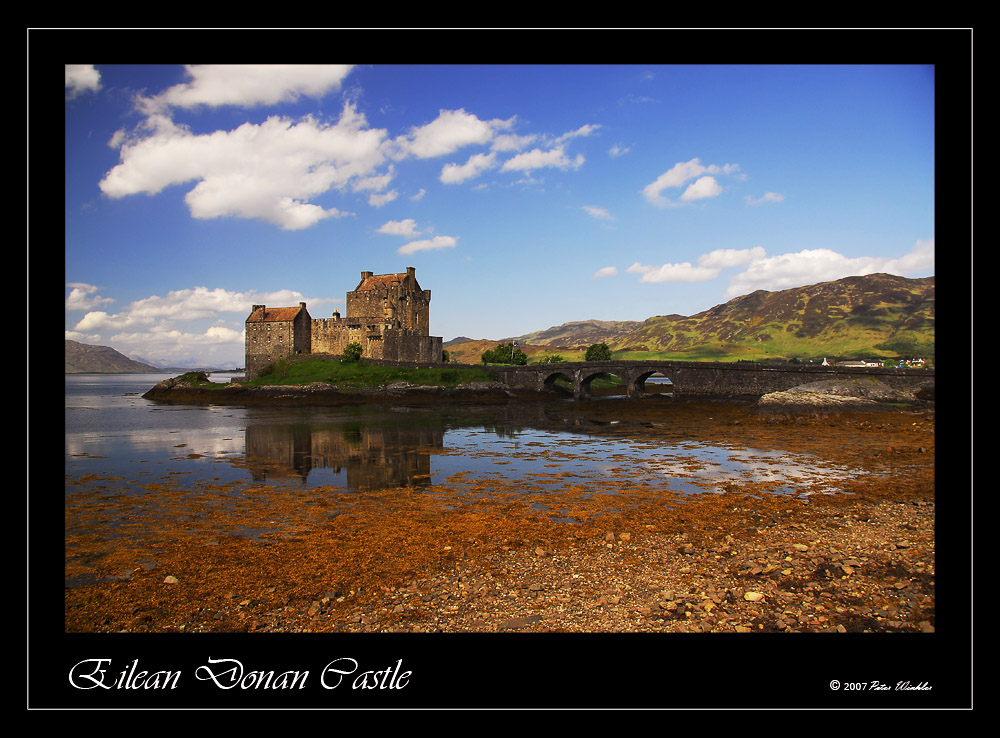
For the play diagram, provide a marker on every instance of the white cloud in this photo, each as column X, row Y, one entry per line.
column 767, row 197
column 512, row 142
column 405, row 227
column 267, row 171
column 438, row 242
column 81, row 78
column 683, row 272
column 701, row 188
column 708, row 268
column 722, row 258
column 450, row 131
column 378, row 199
column 249, row 85
column 538, row 159
column 473, row 167
column 597, row 212
column 376, row 182
column 187, row 304
column 823, row 265
column 618, row 150
column 83, row 297
column 605, row 272
column 584, row 130
column 156, row 327
column 681, row 173
column 419, row 195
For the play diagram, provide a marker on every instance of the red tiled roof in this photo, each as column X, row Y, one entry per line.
column 274, row 315
column 379, row 280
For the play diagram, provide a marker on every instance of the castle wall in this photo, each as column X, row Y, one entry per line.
column 331, row 336
column 268, row 342
column 388, row 315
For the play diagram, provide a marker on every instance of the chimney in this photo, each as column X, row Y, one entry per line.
column 411, row 272
column 366, row 275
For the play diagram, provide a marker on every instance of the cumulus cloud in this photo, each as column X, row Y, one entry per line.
column 767, row 197
column 512, row 142
column 784, row 271
column 722, row 258
column 682, row 172
column 248, row 85
column 683, row 272
column 81, row 78
column 274, row 169
column 160, row 327
column 84, row 297
column 596, row 212
column 707, row 186
column 182, row 305
column 438, row 242
column 810, row 266
column 587, row 129
column 618, row 150
column 473, row 167
column 450, row 131
column 378, row 199
column 264, row 171
column 539, row 159
column 605, row 272
column 405, row 227
column 709, row 266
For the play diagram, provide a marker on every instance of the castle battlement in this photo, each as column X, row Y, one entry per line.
column 387, row 314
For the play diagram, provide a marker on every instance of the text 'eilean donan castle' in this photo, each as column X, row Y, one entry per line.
column 387, row 314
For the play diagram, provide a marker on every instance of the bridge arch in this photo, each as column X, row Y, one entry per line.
column 552, row 383
column 587, row 377
column 639, row 381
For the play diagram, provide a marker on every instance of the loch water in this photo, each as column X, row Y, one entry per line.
column 112, row 432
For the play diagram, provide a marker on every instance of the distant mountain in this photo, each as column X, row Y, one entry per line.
column 82, row 358
column 456, row 341
column 580, row 334
column 878, row 315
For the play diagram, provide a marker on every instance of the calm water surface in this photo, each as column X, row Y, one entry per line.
column 111, row 431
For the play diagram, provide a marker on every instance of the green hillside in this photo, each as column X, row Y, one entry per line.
column 875, row 316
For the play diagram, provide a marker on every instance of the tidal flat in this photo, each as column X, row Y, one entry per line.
column 609, row 516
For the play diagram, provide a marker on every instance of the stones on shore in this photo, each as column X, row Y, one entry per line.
column 832, row 396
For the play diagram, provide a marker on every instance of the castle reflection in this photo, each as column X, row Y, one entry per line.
column 371, row 457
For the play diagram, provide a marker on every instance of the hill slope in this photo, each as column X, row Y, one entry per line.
column 582, row 333
column 878, row 315
column 82, row 358
column 875, row 315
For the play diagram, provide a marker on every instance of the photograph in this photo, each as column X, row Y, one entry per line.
column 483, row 384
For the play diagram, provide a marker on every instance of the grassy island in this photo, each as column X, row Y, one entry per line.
column 362, row 374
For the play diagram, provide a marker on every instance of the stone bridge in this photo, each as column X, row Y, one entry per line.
column 699, row 378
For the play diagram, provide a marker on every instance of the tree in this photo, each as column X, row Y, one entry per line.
column 598, row 352
column 352, row 352
column 505, row 353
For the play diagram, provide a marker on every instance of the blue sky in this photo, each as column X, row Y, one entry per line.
column 525, row 196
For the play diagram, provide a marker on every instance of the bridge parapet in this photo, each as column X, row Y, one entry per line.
column 701, row 378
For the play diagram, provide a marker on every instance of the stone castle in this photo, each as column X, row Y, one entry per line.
column 388, row 314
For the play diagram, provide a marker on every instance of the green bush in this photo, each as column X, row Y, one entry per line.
column 505, row 353
column 598, row 352
column 352, row 353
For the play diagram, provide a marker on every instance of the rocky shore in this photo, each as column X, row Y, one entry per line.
column 858, row 558
column 177, row 390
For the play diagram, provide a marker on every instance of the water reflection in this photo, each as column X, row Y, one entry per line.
column 113, row 433
column 371, row 457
